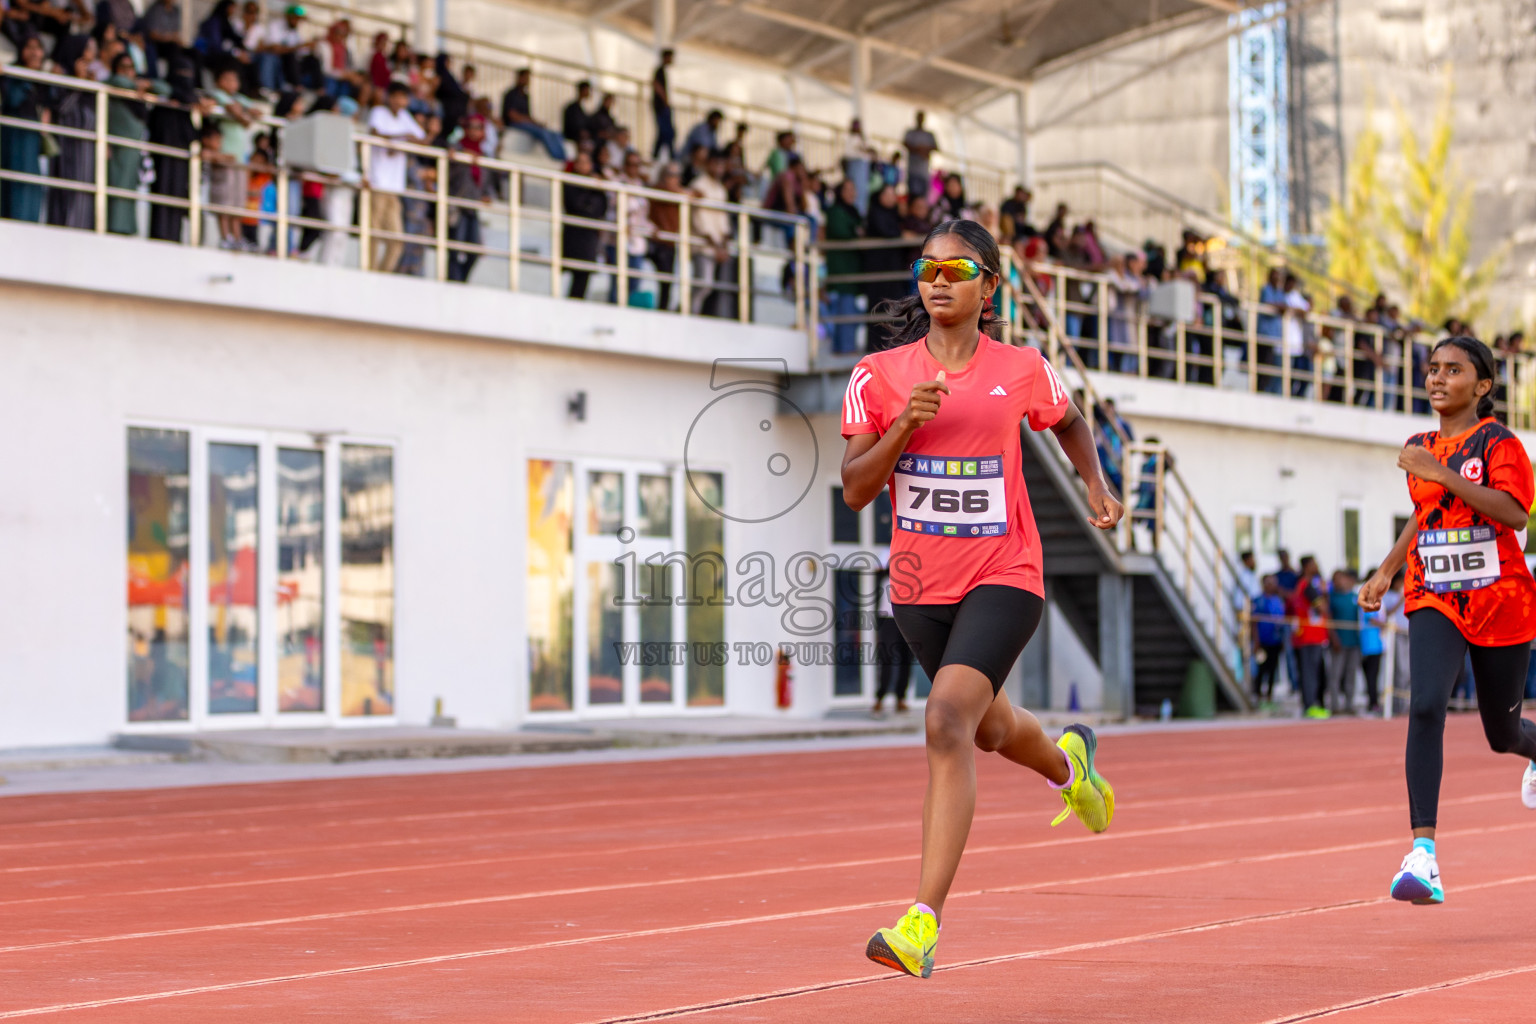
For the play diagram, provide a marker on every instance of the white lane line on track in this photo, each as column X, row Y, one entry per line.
column 1040, row 954
column 1404, row 993
column 862, row 862
column 521, row 808
column 738, row 1000
column 678, row 929
column 904, row 822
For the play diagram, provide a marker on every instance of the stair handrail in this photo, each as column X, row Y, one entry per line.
column 1195, row 525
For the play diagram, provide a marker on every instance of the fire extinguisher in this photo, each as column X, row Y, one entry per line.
column 782, row 680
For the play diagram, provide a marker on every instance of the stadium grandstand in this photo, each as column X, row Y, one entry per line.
column 387, row 333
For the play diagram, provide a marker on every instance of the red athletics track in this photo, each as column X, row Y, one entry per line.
column 1243, row 882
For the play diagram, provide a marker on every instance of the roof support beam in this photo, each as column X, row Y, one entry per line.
column 844, row 36
column 1038, row 10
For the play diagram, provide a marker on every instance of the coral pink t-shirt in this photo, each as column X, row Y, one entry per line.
column 961, row 514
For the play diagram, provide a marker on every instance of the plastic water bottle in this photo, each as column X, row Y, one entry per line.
column 1165, row 713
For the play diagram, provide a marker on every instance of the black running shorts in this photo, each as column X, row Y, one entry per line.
column 985, row 630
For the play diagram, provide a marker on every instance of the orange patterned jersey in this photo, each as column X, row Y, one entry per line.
column 1462, row 563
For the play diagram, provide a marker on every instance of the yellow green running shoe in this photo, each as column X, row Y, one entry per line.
column 1090, row 796
column 909, row 946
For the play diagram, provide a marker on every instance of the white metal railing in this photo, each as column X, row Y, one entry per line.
column 1229, row 344
column 533, row 216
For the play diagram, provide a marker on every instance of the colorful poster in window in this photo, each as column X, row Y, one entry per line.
column 551, row 584
column 367, row 580
column 158, row 548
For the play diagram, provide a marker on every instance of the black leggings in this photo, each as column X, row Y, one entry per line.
column 1436, row 649
column 985, row 630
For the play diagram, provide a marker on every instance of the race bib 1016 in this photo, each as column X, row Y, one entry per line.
column 951, row 497
column 1456, row 560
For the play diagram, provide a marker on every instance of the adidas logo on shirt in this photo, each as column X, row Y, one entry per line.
column 998, row 391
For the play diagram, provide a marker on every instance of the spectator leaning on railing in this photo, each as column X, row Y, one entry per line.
column 21, row 150
column 712, row 231
column 387, row 172
column 126, row 119
column 472, row 182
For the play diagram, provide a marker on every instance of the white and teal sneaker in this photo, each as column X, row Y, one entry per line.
column 1528, row 786
column 1418, row 881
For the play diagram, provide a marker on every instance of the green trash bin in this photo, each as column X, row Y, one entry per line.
column 1197, row 699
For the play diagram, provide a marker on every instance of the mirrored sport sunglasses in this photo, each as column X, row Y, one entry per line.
column 962, row 269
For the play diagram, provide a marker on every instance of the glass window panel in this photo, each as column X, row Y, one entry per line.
column 232, row 576
column 845, row 521
column 1269, row 536
column 605, row 632
column 655, row 506
column 1352, row 539
column 367, row 580
column 158, row 549
column 551, row 580
column 883, row 517
column 655, row 633
column 605, row 502
column 300, row 579
column 706, row 620
column 1242, row 530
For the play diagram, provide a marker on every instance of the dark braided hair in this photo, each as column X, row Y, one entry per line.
column 1482, row 360
column 910, row 318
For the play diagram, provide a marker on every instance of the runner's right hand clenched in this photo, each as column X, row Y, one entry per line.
column 924, row 403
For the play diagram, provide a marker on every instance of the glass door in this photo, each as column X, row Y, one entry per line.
column 629, row 645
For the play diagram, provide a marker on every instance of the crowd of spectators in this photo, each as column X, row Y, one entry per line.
column 242, row 74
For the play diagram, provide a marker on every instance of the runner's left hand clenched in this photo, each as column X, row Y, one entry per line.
column 1107, row 511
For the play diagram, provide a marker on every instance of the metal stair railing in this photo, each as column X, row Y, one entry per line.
column 1165, row 521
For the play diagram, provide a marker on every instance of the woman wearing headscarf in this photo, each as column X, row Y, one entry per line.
column 126, row 119
column 20, row 149
column 171, row 125
column 76, row 161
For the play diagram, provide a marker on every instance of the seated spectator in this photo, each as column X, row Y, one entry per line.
column 379, row 72
column 918, row 220
column 952, row 204
column 402, row 64
column 576, row 124
column 698, row 159
column 219, row 39
column 602, row 124
column 779, row 157
column 706, row 134
column 163, row 43
column 341, row 74
column 1015, row 215
column 516, row 116
column 618, row 149
column 121, row 14
column 278, row 46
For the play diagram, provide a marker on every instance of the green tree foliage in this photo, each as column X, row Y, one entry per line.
column 1411, row 238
